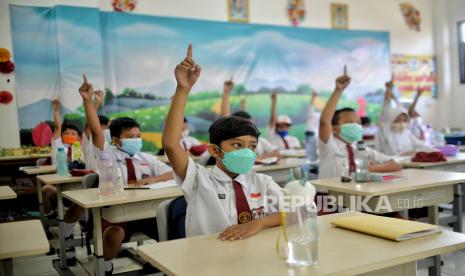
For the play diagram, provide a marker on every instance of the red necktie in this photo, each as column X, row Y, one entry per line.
column 242, row 206
column 131, row 172
column 70, row 155
column 286, row 145
column 350, row 150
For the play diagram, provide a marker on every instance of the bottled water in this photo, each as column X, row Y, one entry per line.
column 62, row 162
column 362, row 166
column 310, row 146
column 107, row 174
column 77, row 152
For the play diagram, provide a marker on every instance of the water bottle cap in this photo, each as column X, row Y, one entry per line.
column 61, row 149
column 76, row 143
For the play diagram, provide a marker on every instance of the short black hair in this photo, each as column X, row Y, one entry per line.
column 230, row 127
column 104, row 120
column 365, row 120
column 242, row 114
column 337, row 114
column 119, row 124
column 70, row 126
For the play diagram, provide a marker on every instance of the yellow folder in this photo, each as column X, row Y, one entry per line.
column 385, row 227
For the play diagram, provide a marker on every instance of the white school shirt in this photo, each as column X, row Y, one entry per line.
column 188, row 142
column 334, row 152
column 276, row 140
column 211, row 200
column 88, row 151
column 145, row 165
column 264, row 146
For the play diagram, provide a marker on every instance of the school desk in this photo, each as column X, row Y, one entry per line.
column 35, row 170
column 453, row 163
column 281, row 171
column 129, row 205
column 58, row 181
column 20, row 239
column 7, row 193
column 22, row 159
column 293, row 153
column 342, row 252
column 164, row 158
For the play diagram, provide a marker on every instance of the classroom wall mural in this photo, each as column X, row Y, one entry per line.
column 132, row 58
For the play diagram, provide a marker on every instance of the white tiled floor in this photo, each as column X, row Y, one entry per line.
column 454, row 264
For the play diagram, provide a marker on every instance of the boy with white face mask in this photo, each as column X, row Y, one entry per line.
column 339, row 131
column 136, row 167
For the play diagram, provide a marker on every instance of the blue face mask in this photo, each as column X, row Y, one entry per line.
column 283, row 133
column 239, row 161
column 106, row 133
column 131, row 145
column 351, row 132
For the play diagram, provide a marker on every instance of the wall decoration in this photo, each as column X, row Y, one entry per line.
column 124, row 5
column 411, row 72
column 7, row 67
column 4, row 55
column 238, row 11
column 296, row 11
column 411, row 15
column 339, row 16
column 140, row 83
column 5, row 97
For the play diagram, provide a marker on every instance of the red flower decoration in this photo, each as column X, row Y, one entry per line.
column 5, row 97
column 7, row 67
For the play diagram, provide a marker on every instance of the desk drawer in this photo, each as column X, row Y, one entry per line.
column 131, row 211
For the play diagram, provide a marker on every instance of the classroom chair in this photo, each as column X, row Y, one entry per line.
column 171, row 219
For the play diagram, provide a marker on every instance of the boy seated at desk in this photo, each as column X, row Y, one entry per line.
column 137, row 168
column 228, row 198
column 339, row 131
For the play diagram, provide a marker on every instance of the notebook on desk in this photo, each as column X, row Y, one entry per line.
column 385, row 227
column 162, row 185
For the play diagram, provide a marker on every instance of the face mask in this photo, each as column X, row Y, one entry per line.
column 69, row 139
column 239, row 161
column 185, row 133
column 131, row 145
column 399, row 127
column 106, row 133
column 283, row 133
column 351, row 132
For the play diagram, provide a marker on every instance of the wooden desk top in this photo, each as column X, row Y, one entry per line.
column 415, row 179
column 164, row 158
column 458, row 159
column 24, row 157
column 287, row 163
column 342, row 252
column 33, row 170
column 22, row 238
column 296, row 153
column 7, row 193
column 56, row 179
column 89, row 198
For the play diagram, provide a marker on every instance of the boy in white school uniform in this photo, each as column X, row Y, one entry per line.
column 137, row 168
column 339, row 131
column 278, row 129
column 228, row 198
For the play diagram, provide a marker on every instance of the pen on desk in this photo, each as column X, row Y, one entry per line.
column 137, row 188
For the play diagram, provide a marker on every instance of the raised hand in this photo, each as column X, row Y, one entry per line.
column 187, row 72
column 56, row 104
column 98, row 96
column 343, row 81
column 274, row 96
column 86, row 90
column 243, row 104
column 390, row 83
column 228, row 85
column 420, row 91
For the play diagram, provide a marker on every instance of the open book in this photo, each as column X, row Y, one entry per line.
column 162, row 185
column 385, row 227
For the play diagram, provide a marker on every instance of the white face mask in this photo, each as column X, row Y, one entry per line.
column 185, row 133
column 399, row 127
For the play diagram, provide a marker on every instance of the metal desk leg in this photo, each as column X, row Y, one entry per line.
column 41, row 201
column 458, row 208
column 433, row 216
column 98, row 243
column 6, row 267
column 61, row 266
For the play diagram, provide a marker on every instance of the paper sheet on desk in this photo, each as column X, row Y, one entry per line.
column 162, row 185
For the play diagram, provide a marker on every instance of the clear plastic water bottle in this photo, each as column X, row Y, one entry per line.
column 107, row 174
column 301, row 225
column 62, row 162
column 310, row 146
column 362, row 166
column 77, row 152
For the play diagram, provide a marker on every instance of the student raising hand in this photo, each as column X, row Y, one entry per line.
column 343, row 81
column 98, row 97
column 228, row 85
column 56, row 104
column 86, row 90
column 187, row 72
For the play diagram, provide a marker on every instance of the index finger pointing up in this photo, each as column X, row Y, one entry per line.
column 345, row 70
column 85, row 78
column 189, row 51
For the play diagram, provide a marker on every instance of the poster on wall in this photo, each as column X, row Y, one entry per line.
column 132, row 57
column 238, row 11
column 339, row 16
column 296, row 11
column 412, row 72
